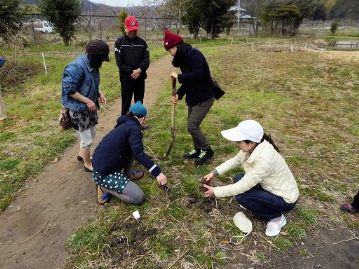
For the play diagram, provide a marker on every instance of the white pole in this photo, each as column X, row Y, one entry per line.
column 43, row 60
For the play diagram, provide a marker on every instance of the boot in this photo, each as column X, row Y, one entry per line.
column 204, row 157
column 193, row 154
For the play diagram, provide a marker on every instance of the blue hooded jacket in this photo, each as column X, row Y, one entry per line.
column 120, row 146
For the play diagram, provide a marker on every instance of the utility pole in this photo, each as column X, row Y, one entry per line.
column 179, row 16
column 239, row 12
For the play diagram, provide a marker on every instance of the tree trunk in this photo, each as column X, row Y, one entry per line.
column 212, row 34
column 195, row 34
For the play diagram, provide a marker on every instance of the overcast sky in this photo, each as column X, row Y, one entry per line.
column 119, row 3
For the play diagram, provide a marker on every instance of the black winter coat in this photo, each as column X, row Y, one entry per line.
column 195, row 78
column 120, row 146
column 130, row 54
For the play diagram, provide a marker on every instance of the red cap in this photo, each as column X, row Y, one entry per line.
column 171, row 39
column 131, row 23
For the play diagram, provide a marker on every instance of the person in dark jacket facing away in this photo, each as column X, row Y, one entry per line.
column 114, row 155
column 133, row 59
column 197, row 86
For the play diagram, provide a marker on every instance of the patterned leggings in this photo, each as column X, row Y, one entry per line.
column 120, row 186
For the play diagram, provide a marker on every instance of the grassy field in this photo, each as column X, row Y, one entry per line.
column 31, row 137
column 307, row 101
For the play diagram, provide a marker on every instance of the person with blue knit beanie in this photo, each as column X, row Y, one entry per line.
column 114, row 156
column 138, row 109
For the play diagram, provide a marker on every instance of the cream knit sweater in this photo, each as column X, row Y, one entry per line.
column 266, row 167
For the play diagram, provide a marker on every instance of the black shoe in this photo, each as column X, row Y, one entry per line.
column 87, row 169
column 193, row 154
column 80, row 159
column 204, row 157
column 144, row 127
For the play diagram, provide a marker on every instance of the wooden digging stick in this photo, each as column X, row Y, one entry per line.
column 173, row 119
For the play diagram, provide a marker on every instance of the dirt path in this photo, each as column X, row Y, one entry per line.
column 327, row 248
column 34, row 228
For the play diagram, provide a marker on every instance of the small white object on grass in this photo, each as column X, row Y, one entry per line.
column 136, row 214
column 243, row 223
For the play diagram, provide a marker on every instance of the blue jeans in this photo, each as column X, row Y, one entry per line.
column 262, row 203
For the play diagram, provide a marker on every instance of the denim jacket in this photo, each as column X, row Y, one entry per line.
column 80, row 77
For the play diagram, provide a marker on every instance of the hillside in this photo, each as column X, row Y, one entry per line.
column 345, row 9
column 333, row 9
column 87, row 7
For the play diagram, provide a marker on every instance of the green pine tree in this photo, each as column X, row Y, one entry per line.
column 10, row 17
column 63, row 15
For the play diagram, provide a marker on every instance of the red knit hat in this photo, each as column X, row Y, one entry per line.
column 171, row 39
column 131, row 23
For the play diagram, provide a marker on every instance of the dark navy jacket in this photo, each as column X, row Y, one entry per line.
column 195, row 78
column 130, row 54
column 120, row 146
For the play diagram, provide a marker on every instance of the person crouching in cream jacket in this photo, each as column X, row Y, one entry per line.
column 268, row 188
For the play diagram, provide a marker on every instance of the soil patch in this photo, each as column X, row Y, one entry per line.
column 330, row 249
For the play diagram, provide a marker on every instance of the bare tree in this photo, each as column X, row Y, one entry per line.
column 172, row 9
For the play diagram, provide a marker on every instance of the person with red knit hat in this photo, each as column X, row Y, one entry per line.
column 133, row 59
column 196, row 84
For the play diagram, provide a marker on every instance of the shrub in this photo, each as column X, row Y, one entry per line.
column 334, row 27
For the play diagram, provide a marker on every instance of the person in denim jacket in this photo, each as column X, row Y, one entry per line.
column 81, row 95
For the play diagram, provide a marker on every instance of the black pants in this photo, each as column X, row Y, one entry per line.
column 131, row 88
column 355, row 202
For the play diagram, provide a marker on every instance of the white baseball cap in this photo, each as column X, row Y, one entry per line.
column 245, row 130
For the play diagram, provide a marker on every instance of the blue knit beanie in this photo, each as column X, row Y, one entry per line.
column 2, row 61
column 138, row 109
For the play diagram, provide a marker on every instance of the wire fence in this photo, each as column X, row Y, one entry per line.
column 104, row 27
